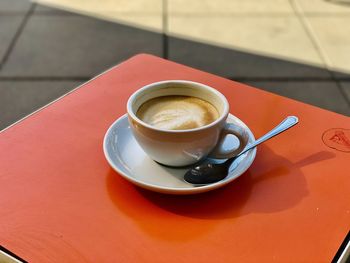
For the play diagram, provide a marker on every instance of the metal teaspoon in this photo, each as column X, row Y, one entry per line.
column 211, row 173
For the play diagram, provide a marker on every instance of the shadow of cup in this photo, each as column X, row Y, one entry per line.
column 272, row 184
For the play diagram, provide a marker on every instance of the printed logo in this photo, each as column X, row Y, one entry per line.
column 337, row 138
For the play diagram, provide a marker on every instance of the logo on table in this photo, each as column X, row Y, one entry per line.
column 337, row 138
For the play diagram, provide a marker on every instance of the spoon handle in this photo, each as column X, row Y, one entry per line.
column 287, row 123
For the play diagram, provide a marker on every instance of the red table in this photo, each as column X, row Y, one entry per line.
column 61, row 202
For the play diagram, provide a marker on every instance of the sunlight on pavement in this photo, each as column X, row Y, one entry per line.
column 143, row 14
column 313, row 32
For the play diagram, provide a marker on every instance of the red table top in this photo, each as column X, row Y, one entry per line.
column 61, row 202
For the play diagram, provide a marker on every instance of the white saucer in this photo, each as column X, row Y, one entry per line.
column 128, row 159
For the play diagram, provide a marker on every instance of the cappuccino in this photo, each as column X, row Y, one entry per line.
column 177, row 112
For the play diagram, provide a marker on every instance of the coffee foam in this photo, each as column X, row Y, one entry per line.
column 177, row 112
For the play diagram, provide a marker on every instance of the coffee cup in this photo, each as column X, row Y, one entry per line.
column 179, row 122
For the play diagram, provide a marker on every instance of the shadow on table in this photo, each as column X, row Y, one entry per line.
column 273, row 184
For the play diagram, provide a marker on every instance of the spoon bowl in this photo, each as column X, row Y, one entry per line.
column 203, row 174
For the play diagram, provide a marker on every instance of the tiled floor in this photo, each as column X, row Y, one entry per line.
column 7, row 6
column 8, row 29
column 239, row 64
column 296, row 48
column 18, row 97
column 73, row 45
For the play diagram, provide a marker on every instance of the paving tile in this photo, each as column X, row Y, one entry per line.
column 278, row 37
column 230, row 62
column 345, row 85
column 142, row 21
column 14, row 6
column 98, row 6
column 232, row 6
column 322, row 94
column 76, row 46
column 146, row 20
column 18, row 99
column 333, row 37
column 324, row 6
column 47, row 10
column 8, row 28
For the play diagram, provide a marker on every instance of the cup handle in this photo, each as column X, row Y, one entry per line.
column 239, row 132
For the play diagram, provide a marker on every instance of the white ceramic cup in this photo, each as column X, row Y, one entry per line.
column 184, row 147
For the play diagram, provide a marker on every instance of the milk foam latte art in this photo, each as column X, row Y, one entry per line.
column 177, row 112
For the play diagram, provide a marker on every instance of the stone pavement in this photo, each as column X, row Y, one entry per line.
column 297, row 48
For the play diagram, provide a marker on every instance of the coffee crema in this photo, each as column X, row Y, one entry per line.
column 177, row 112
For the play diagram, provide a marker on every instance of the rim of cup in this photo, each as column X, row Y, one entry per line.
column 137, row 93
